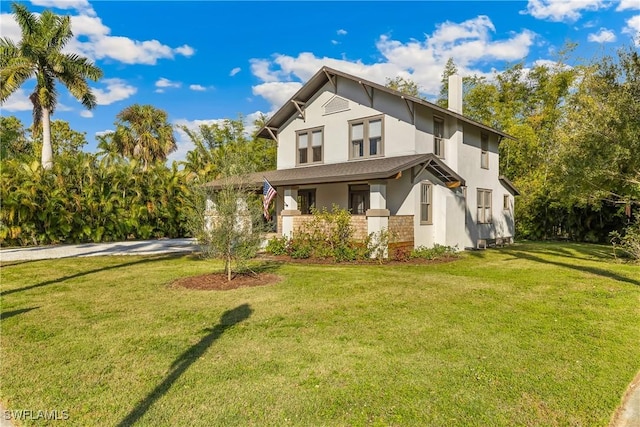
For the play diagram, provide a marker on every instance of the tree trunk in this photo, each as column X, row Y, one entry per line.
column 228, row 268
column 47, row 150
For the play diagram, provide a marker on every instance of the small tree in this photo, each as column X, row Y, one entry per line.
column 227, row 219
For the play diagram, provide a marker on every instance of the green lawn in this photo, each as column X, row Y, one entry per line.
column 532, row 334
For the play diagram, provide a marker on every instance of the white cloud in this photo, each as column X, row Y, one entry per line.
column 334, row 42
column 104, row 132
column 100, row 44
column 163, row 82
column 235, row 71
column 470, row 43
column 116, row 90
column 81, row 6
column 185, row 50
column 62, row 107
column 261, row 69
column 562, row 10
column 628, row 4
column 86, row 114
column 197, row 88
column 276, row 93
column 602, row 36
column 633, row 29
column 18, row 101
column 10, row 28
column 341, row 32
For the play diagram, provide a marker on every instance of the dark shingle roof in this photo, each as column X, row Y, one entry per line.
column 380, row 168
column 509, row 185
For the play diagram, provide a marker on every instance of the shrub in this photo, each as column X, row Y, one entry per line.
column 329, row 234
column 437, row 251
column 300, row 248
column 629, row 241
column 277, row 246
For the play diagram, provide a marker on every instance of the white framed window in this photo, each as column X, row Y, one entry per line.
column 484, row 206
column 438, row 137
column 310, row 146
column 484, row 151
column 366, row 138
column 506, row 202
column 426, row 203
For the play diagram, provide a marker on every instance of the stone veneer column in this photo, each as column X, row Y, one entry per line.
column 290, row 210
column 377, row 214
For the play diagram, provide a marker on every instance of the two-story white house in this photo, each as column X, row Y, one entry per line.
column 427, row 174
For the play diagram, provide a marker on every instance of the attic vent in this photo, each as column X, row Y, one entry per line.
column 336, row 104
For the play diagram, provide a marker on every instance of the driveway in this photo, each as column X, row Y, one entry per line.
column 138, row 247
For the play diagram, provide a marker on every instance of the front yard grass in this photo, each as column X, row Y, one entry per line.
column 532, row 334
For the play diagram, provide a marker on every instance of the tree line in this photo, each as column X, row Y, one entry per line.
column 574, row 155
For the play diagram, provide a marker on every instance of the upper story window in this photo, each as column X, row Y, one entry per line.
column 438, row 137
column 484, row 151
column 310, row 146
column 366, row 138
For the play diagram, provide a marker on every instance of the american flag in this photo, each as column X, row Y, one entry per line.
column 268, row 193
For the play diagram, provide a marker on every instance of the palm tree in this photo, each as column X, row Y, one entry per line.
column 39, row 54
column 143, row 133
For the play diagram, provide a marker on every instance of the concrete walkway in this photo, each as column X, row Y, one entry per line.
column 138, row 247
column 628, row 414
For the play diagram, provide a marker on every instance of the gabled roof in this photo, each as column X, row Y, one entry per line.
column 359, row 170
column 296, row 104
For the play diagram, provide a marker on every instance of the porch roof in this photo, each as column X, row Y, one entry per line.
column 359, row 170
column 509, row 185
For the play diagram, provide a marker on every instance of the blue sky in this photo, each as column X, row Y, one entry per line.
column 203, row 61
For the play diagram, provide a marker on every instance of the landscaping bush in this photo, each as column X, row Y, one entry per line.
column 437, row 251
column 328, row 235
column 277, row 246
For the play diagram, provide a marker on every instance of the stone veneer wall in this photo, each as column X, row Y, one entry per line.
column 401, row 227
column 358, row 222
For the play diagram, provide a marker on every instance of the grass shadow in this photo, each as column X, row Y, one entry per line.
column 85, row 273
column 593, row 270
column 228, row 319
column 7, row 314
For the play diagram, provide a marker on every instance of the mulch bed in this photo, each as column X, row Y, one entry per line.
column 219, row 282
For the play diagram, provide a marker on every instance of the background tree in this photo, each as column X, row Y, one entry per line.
column 213, row 141
column 64, row 140
column 13, row 139
column 39, row 54
column 449, row 70
column 406, row 86
column 144, row 134
column 601, row 150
